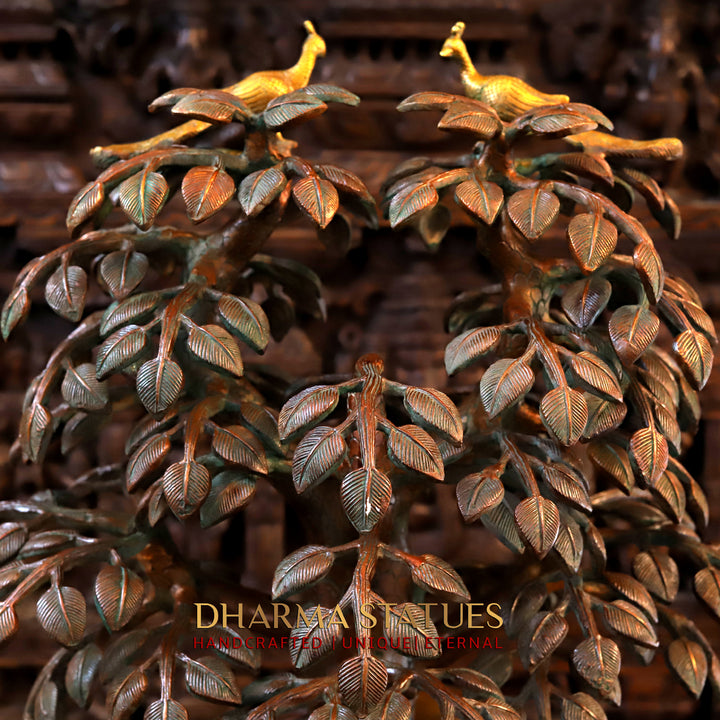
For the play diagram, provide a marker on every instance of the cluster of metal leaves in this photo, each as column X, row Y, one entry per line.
column 125, row 593
column 169, row 339
column 208, row 434
column 211, row 178
column 364, row 687
column 365, row 489
column 578, row 371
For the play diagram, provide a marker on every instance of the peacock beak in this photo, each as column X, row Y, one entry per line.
column 445, row 52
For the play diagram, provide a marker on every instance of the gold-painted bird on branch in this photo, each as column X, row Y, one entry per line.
column 510, row 96
column 256, row 91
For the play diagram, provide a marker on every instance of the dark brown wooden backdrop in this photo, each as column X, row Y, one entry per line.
column 78, row 73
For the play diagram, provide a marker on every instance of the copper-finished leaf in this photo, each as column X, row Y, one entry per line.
column 65, row 292
column 650, row 269
column 365, row 495
column 411, row 448
column 707, row 586
column 658, row 572
column 213, row 106
column 427, row 101
column 592, row 240
column 211, row 678
column 614, row 461
column 301, row 569
column 205, row 191
column 317, row 198
column 238, row 445
column 700, row 319
column 649, row 451
column 434, row 411
column 62, row 614
column 584, row 300
column 628, row 620
column 568, row 485
column 246, row 319
column 478, row 493
column 481, row 198
column 670, row 496
column 118, row 595
column 159, row 384
column 594, row 167
column 291, row 108
column 393, row 706
column 125, row 695
column 557, row 122
column 311, row 640
column 345, row 181
column 8, row 622
column 85, row 204
column 407, row 203
column 581, row 706
column 47, row 542
column 167, row 709
column 435, row 575
column 696, row 356
column 539, row 640
column 596, row 375
column 477, row 683
column 533, row 211
column 15, row 310
column 433, row 225
column 688, row 661
column 500, row 520
column 142, row 196
column 669, row 217
column 121, row 652
column 467, row 347
column 260, row 188
column 146, row 459
column 471, row 117
column 307, row 407
column 120, row 350
column 236, row 648
column 597, row 659
column 645, row 185
column 564, row 413
column 121, row 272
column 634, row 591
column 134, row 308
column 407, row 626
column 12, row 537
column 185, row 485
column 362, row 681
column 318, row 455
column 263, row 422
column 230, row 491
column 81, row 388
column 632, row 330
column 334, row 711
column 603, row 415
column 503, row 383
column 538, row 521
column 569, row 544
column 216, row 346
column 81, row 672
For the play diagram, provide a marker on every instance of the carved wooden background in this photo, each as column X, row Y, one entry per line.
column 79, row 73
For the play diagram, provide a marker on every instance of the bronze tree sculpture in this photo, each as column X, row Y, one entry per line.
column 579, row 373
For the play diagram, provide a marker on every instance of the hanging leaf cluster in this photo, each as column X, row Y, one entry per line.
column 574, row 371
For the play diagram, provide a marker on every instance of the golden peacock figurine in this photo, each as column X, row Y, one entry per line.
column 510, row 96
column 255, row 91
